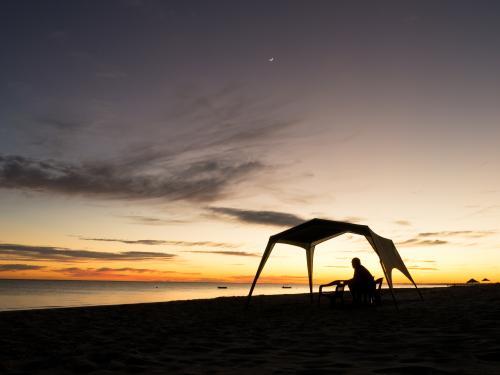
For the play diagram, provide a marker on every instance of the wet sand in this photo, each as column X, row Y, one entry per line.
column 454, row 330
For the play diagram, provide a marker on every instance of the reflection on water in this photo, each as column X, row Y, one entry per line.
column 34, row 294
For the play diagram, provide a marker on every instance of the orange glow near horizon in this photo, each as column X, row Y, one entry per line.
column 428, row 264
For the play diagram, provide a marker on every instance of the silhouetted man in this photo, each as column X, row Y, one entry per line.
column 362, row 281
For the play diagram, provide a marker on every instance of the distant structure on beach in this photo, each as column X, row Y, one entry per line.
column 472, row 281
column 485, row 280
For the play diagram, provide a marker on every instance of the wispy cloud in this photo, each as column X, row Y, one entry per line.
column 199, row 181
column 149, row 220
column 419, row 261
column 221, row 252
column 424, row 238
column 352, row 219
column 459, row 233
column 108, row 271
column 420, row 268
column 196, row 151
column 25, row 252
column 402, row 222
column 421, row 242
column 274, row 218
column 162, row 242
column 19, row 267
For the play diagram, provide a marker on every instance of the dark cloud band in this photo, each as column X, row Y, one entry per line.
column 161, row 242
column 200, row 181
column 230, row 253
column 19, row 267
column 108, row 271
column 257, row 217
column 16, row 251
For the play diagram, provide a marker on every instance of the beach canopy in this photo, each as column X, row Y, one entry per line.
column 313, row 232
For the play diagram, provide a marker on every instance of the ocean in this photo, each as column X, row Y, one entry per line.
column 41, row 294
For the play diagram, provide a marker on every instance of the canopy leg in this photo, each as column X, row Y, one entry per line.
column 418, row 290
column 263, row 261
column 389, row 282
column 310, row 257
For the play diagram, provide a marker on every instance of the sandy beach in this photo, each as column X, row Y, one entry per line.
column 454, row 330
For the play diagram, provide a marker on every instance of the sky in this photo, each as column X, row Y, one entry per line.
column 153, row 140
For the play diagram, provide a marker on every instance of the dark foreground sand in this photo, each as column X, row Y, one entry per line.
column 455, row 330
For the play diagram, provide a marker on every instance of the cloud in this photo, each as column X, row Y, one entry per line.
column 221, row 252
column 460, row 233
column 148, row 220
column 108, row 271
column 419, row 261
column 419, row 268
column 254, row 133
column 257, row 217
column 129, row 242
column 127, row 269
column 194, row 145
column 198, row 181
column 402, row 222
column 24, row 252
column 420, row 242
column 422, row 239
column 352, row 219
column 486, row 210
column 19, row 267
column 162, row 242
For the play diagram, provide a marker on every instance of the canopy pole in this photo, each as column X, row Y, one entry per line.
column 389, row 282
column 418, row 291
column 263, row 261
column 310, row 257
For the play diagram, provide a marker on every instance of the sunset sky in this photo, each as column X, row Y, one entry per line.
column 154, row 140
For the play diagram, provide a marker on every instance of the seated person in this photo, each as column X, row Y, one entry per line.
column 362, row 281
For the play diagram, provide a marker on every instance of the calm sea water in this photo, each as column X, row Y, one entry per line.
column 39, row 294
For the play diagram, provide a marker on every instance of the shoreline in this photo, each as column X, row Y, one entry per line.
column 305, row 296
column 208, row 282
column 38, row 295
column 454, row 330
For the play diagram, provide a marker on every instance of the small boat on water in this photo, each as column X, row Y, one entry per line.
column 286, row 287
column 222, row 287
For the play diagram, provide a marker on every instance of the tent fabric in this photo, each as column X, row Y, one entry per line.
column 311, row 233
column 389, row 257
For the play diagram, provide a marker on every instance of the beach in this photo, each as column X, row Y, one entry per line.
column 454, row 330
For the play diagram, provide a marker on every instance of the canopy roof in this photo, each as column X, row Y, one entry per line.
column 311, row 233
column 315, row 231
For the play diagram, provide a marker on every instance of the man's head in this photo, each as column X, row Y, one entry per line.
column 355, row 262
